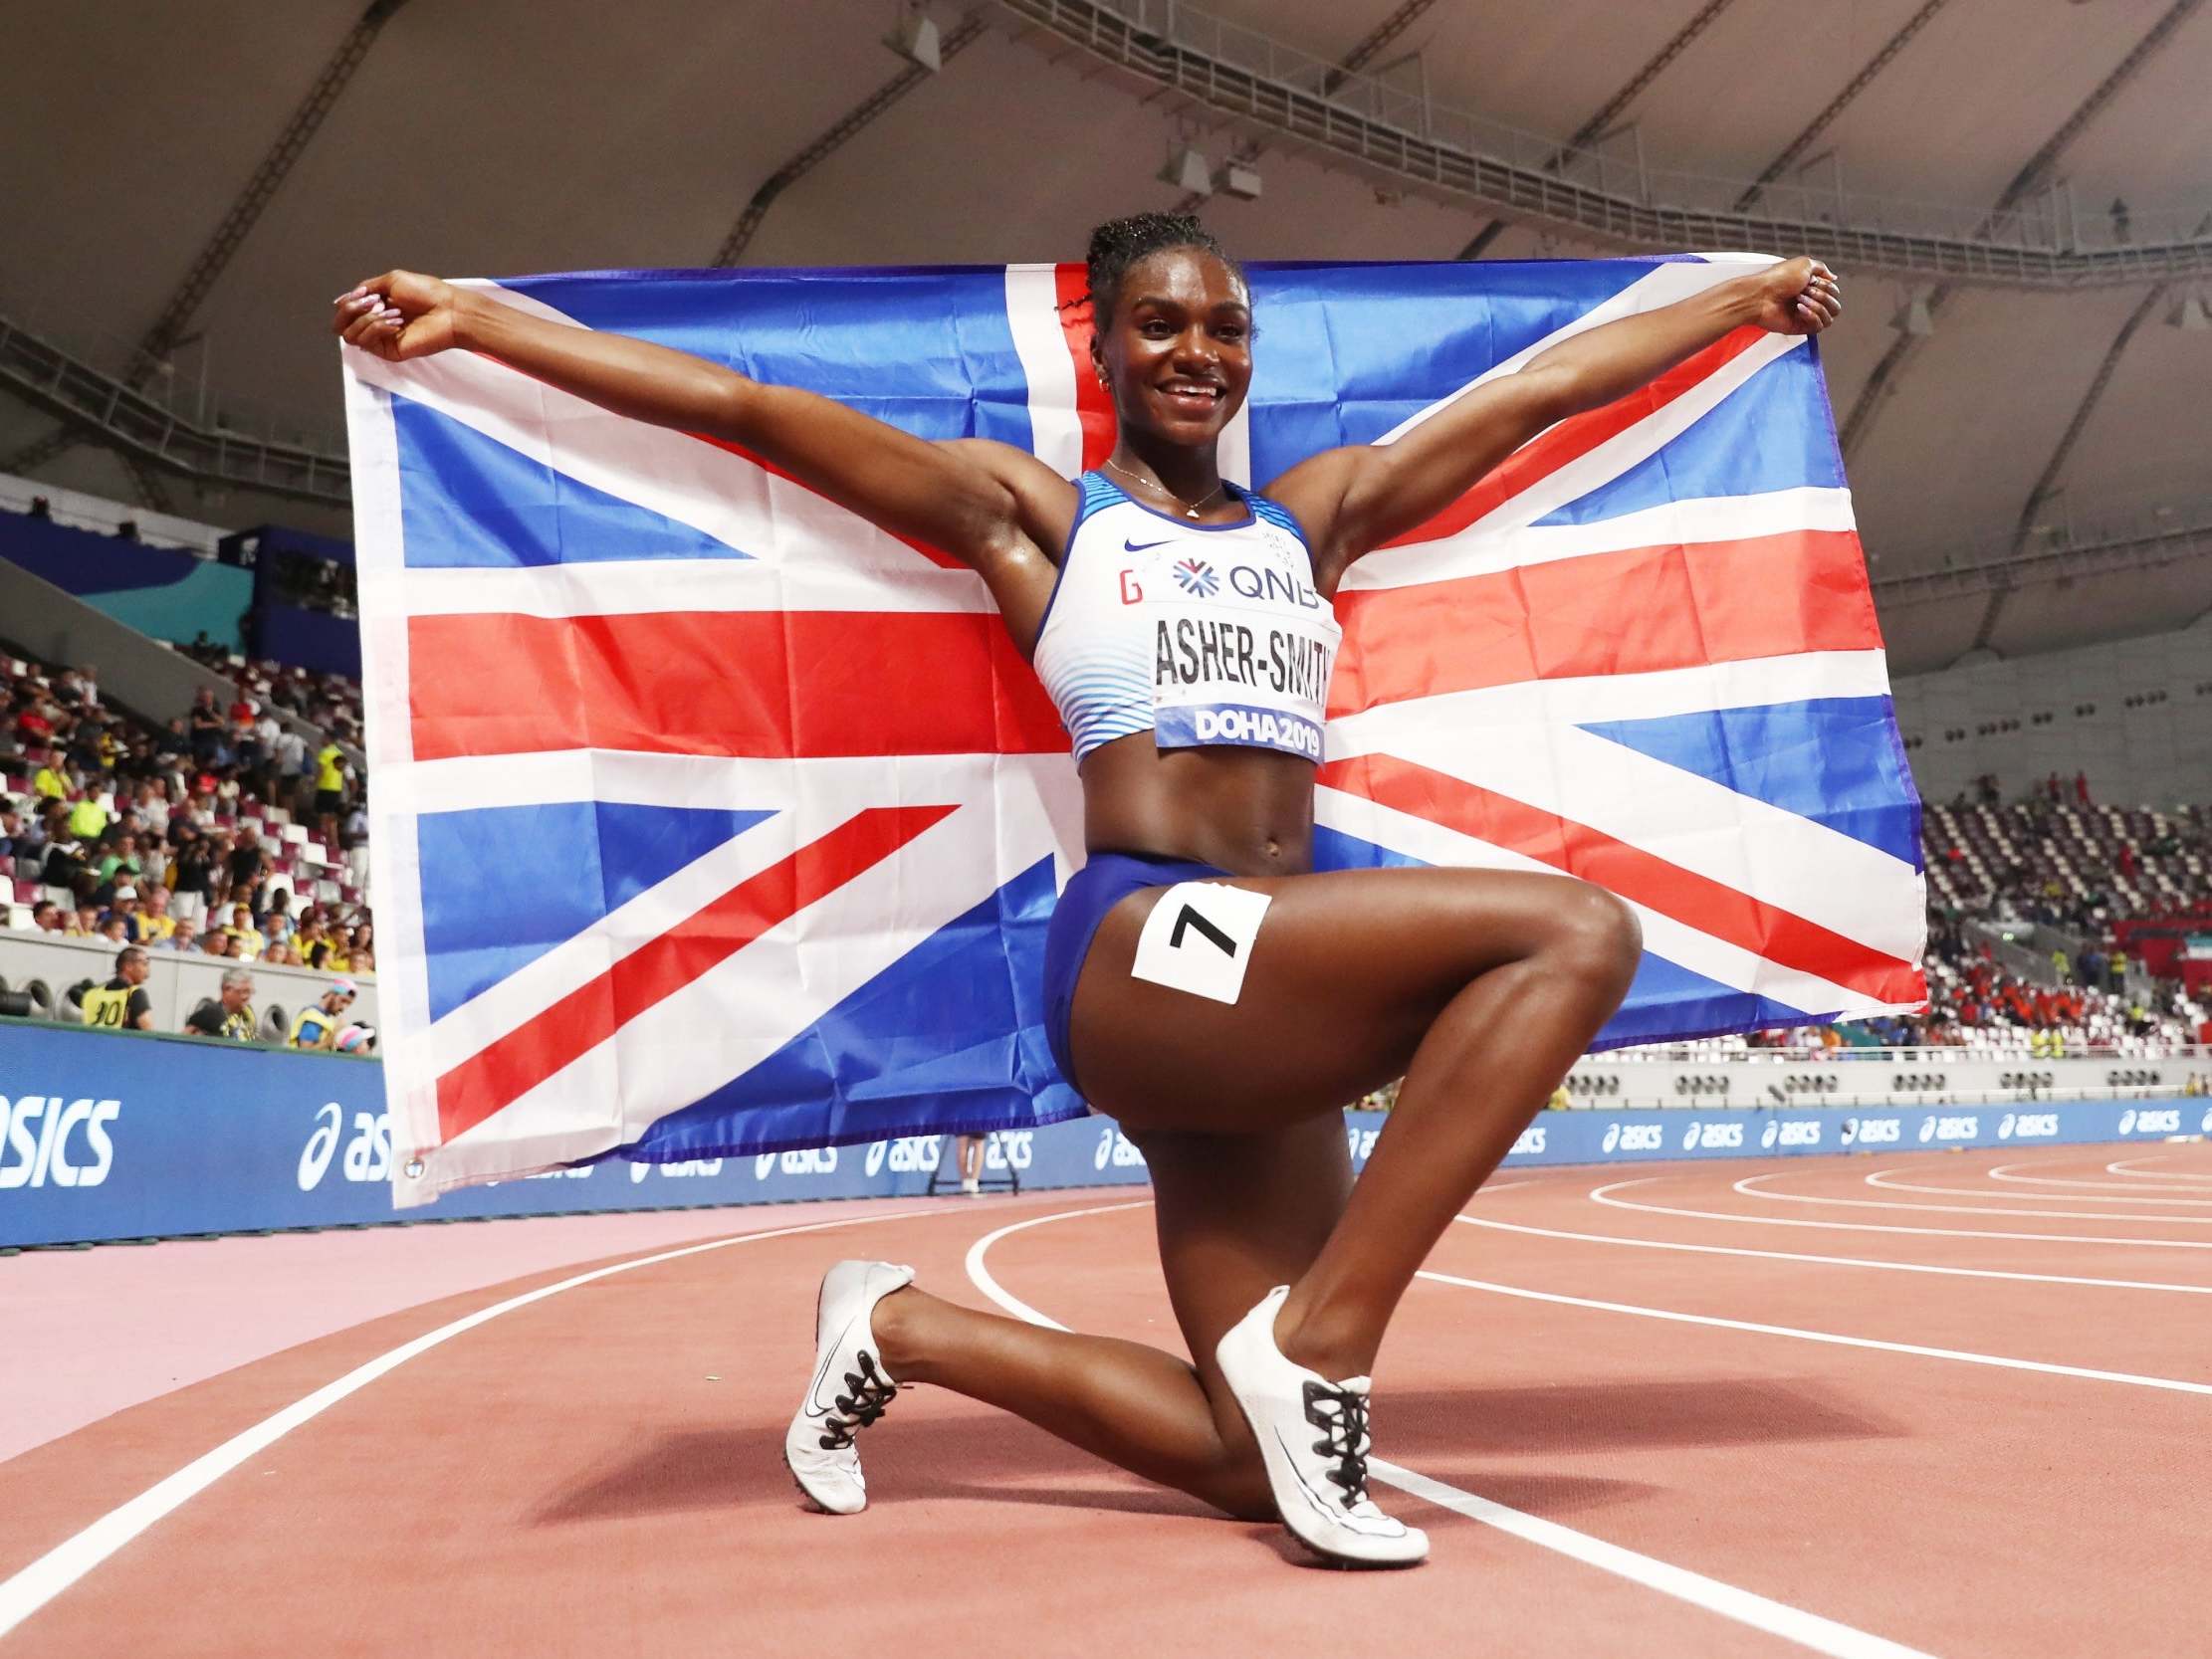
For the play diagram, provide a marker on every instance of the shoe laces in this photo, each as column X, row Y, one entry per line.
column 868, row 1393
column 1341, row 1416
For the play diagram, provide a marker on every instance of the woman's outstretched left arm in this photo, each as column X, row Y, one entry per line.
column 1359, row 497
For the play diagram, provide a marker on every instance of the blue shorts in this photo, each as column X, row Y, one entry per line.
column 1091, row 891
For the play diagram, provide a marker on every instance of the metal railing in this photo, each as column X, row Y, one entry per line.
column 1596, row 191
column 172, row 425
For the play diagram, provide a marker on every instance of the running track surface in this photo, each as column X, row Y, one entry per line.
column 1822, row 1449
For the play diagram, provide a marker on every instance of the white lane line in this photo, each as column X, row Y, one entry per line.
column 1881, row 1178
column 1778, row 1618
column 1604, row 1195
column 1832, row 1261
column 2126, row 1166
column 63, row 1566
column 980, row 1274
column 1831, row 1338
column 1746, row 1187
column 2013, row 1172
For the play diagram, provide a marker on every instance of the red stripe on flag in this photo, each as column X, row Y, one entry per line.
column 1094, row 409
column 587, row 1016
column 1636, row 611
column 774, row 683
column 1643, row 878
column 1577, row 436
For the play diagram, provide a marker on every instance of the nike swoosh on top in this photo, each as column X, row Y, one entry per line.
column 1129, row 546
column 813, row 1390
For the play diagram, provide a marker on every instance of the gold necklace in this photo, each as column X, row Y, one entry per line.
column 1189, row 512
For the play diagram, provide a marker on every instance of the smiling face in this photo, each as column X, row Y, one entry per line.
column 1176, row 350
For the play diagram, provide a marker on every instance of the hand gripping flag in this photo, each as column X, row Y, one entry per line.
column 710, row 820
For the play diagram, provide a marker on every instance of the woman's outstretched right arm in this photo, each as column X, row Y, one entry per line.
column 987, row 504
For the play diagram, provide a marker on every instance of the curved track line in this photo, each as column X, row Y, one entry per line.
column 2126, row 1166
column 1881, row 1178
column 1833, row 1339
column 2010, row 1172
column 1745, row 1187
column 1601, row 1195
column 1778, row 1618
column 979, row 1275
column 63, row 1566
column 1832, row 1261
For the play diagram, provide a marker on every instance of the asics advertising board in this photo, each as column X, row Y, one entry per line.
column 105, row 1137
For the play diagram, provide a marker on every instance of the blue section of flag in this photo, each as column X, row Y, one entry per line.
column 926, row 348
column 1333, row 355
column 504, row 885
column 1667, row 1002
column 1835, row 760
column 946, row 1039
column 1771, row 433
column 466, row 499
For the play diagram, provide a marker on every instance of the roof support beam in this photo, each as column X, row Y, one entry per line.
column 1601, row 122
column 237, row 223
column 2147, row 542
column 1883, row 383
column 1377, row 38
column 834, row 137
column 1407, row 143
column 1857, row 83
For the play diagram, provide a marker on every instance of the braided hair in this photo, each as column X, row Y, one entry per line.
column 1119, row 244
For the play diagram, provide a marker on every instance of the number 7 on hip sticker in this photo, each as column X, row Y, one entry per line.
column 1198, row 939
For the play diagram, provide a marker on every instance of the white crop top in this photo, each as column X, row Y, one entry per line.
column 1196, row 633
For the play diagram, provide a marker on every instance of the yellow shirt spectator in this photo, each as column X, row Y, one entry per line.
column 245, row 942
column 50, row 784
column 328, row 777
column 87, row 819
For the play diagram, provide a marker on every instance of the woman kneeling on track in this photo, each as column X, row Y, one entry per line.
column 1204, row 985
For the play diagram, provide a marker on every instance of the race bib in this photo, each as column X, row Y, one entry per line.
column 1228, row 672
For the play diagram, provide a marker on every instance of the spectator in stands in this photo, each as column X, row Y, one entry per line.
column 153, row 925
column 2119, row 972
column 245, row 938
column 88, row 819
column 51, row 782
column 46, row 917
column 232, row 1016
column 11, row 830
column 112, row 928
column 122, row 905
column 329, row 786
column 29, row 850
column 84, row 923
column 318, row 1026
column 120, row 863
column 215, row 942
column 205, row 724
column 245, row 864
column 123, row 1003
column 2082, row 787
column 197, row 865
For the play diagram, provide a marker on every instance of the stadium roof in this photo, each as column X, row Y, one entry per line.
column 210, row 179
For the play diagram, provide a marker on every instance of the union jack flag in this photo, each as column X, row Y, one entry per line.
column 712, row 820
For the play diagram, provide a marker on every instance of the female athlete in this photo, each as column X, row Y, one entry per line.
column 1183, row 625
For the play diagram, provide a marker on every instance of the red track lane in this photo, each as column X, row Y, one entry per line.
column 597, row 1472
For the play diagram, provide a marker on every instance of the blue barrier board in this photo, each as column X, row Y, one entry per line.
column 116, row 1138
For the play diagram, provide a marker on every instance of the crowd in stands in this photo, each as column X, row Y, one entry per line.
column 227, row 831
column 2022, row 899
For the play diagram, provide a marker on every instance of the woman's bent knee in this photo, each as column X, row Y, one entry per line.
column 1598, row 937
